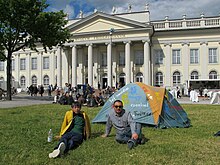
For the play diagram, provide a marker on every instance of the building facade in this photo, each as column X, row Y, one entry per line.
column 112, row 49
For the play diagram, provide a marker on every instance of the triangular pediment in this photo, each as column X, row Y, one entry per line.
column 103, row 22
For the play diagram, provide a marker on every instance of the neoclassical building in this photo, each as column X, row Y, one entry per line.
column 109, row 49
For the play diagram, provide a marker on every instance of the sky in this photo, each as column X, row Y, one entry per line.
column 174, row 9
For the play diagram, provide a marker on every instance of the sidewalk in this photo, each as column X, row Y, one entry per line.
column 25, row 100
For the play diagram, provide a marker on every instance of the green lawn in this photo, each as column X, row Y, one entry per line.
column 23, row 135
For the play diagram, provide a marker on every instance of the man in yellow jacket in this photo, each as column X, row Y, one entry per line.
column 75, row 128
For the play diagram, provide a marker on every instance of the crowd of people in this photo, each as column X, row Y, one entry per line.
column 87, row 95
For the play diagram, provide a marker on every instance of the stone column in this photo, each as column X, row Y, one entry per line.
column 28, row 69
column 39, row 77
column 52, row 67
column 65, row 67
column 168, row 55
column 147, row 75
column 90, row 65
column 204, row 62
column 128, row 61
column 109, row 63
column 59, row 67
column 17, row 67
column 185, row 57
column 74, row 66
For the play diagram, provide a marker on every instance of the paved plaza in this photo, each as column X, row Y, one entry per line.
column 26, row 100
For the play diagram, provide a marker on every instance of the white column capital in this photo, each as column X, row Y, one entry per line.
column 127, row 42
column 204, row 42
column 147, row 40
column 89, row 44
column 185, row 43
column 167, row 44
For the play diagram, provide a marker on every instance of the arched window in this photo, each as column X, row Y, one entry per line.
column 139, row 77
column 34, row 80
column 176, row 78
column 194, row 75
column 213, row 75
column 159, row 79
column 46, row 80
column 1, row 82
column 23, row 82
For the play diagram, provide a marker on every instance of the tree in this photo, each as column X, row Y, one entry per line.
column 24, row 24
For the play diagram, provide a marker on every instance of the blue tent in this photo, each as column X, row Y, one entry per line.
column 148, row 105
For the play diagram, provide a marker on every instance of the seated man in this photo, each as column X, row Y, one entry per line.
column 127, row 130
column 75, row 128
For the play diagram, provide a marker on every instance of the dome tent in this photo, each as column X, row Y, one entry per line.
column 147, row 105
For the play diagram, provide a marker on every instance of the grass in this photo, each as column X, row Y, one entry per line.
column 23, row 135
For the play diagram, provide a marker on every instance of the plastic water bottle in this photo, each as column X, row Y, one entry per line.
column 50, row 136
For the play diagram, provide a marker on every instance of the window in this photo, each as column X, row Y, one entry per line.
column 34, row 80
column 22, row 64
column 104, row 59
column 213, row 55
column 46, row 63
column 194, row 56
column 176, row 56
column 22, row 82
column 139, row 77
column 176, row 78
column 194, row 75
column 46, row 80
column 213, row 75
column 122, row 58
column 13, row 64
column 159, row 79
column 158, row 56
column 1, row 82
column 34, row 63
column 2, row 65
column 139, row 57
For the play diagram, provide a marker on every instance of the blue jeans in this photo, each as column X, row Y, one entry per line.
column 71, row 140
column 125, row 136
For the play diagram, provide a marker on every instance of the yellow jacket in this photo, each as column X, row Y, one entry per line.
column 68, row 120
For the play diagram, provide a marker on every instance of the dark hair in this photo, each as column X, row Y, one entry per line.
column 76, row 104
column 118, row 101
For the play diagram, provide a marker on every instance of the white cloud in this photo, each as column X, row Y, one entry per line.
column 69, row 10
column 158, row 8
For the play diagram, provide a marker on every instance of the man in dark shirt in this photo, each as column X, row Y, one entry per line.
column 127, row 130
column 72, row 131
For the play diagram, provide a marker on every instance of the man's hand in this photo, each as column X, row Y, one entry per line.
column 134, row 136
column 104, row 135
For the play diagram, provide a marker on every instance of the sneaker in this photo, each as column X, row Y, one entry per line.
column 130, row 145
column 59, row 151
column 62, row 148
column 54, row 154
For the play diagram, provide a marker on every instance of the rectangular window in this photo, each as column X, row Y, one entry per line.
column 122, row 58
column 194, row 56
column 46, row 63
column 158, row 56
column 13, row 64
column 176, row 56
column 34, row 63
column 2, row 65
column 22, row 64
column 104, row 59
column 213, row 55
column 139, row 57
